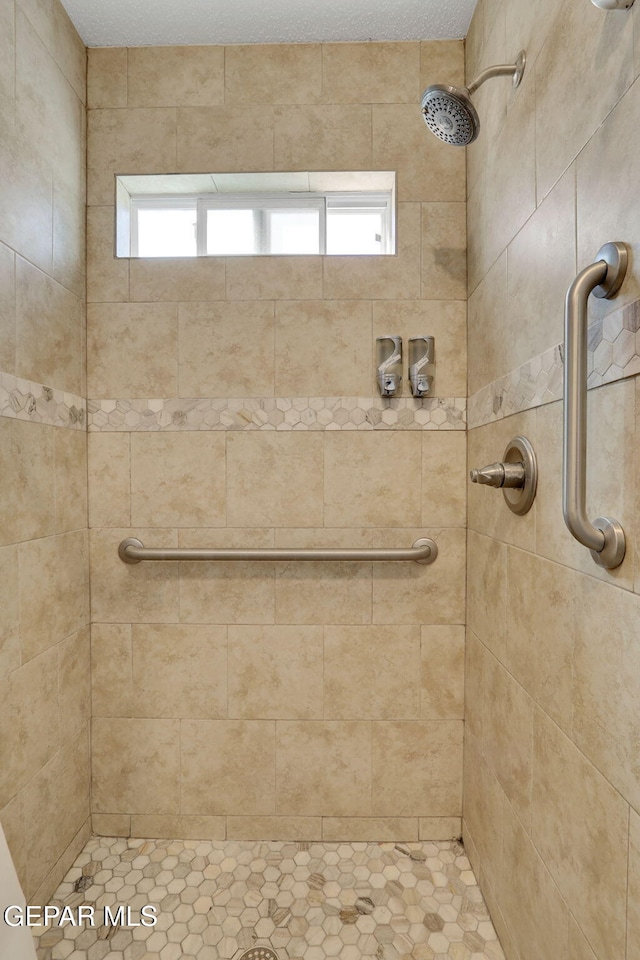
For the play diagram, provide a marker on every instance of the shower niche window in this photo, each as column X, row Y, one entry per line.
column 228, row 215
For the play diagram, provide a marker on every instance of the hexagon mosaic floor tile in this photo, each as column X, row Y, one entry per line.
column 229, row 900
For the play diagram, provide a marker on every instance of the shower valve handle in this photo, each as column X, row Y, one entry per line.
column 500, row 475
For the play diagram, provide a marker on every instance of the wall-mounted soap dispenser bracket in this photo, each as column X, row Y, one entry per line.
column 421, row 365
column 516, row 475
column 389, row 365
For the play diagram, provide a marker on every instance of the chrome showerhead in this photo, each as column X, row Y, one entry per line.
column 448, row 111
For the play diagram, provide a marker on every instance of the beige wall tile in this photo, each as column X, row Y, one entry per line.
column 228, row 767
column 541, row 265
column 109, row 479
column 107, row 277
column 10, row 653
column 305, row 591
column 47, row 352
column 541, row 635
column 511, row 171
column 323, row 348
column 187, row 279
column 54, row 590
column 527, row 26
column 367, row 829
column 487, row 308
column 27, row 507
column 565, row 74
column 383, row 277
column 111, row 670
column 273, row 278
column 69, row 237
column 56, row 805
column 74, row 683
column 580, row 828
column 54, row 878
column 40, row 15
column 111, row 824
column 26, row 201
column 444, row 261
column 175, row 76
column 507, row 735
column 8, row 60
column 29, row 718
column 362, row 486
column 476, row 656
column 276, row 828
column 275, row 672
column 69, row 51
column 427, row 168
column 321, row 137
column 579, row 948
column 226, row 349
column 610, row 156
column 418, row 593
column 70, row 458
column 126, row 593
column 273, row 73
column 445, row 320
column 370, row 72
column 605, row 682
column 128, row 141
column 7, row 310
column 178, row 479
column 444, row 478
column 633, row 903
column 417, row 768
column 219, row 139
column 610, row 425
column 440, row 828
column 131, row 350
column 179, row 671
column 187, row 828
column 527, row 893
column 371, row 673
column 136, row 766
column 323, row 768
column 442, row 61
column 106, row 77
column 442, row 673
column 46, row 104
column 274, row 479
column 483, row 810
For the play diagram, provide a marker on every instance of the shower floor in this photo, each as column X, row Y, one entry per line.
column 220, row 900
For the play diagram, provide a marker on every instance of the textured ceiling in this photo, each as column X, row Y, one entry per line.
column 159, row 22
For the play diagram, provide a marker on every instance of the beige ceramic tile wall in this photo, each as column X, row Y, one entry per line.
column 552, row 782
column 276, row 700
column 44, row 593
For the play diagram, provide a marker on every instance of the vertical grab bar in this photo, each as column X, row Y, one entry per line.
column 605, row 536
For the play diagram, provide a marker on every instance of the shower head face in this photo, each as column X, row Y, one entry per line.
column 450, row 115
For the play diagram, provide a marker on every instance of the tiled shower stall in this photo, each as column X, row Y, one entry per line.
column 303, row 724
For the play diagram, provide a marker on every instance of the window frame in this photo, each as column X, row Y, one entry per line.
column 261, row 203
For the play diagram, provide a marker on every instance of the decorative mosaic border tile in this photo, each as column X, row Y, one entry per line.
column 278, row 413
column 613, row 354
column 27, row 400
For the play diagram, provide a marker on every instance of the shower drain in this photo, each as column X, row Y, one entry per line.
column 259, row 953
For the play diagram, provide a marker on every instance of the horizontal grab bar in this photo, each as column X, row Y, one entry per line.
column 133, row 550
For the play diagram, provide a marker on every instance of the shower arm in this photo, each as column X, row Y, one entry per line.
column 501, row 70
column 604, row 537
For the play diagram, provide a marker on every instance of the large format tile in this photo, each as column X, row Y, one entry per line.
column 273, row 73
column 579, row 825
column 222, row 138
column 321, row 137
column 188, row 76
column 371, row 673
column 633, row 906
column 27, row 506
column 442, row 678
